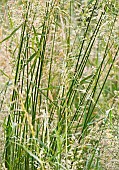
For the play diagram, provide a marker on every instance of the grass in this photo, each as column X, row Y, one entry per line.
column 61, row 69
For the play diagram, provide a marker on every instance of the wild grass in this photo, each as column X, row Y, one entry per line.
column 61, row 69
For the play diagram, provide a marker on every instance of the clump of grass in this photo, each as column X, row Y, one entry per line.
column 54, row 104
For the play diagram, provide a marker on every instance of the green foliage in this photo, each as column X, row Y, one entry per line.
column 62, row 66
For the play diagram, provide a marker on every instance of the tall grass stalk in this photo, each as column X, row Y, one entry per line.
column 54, row 95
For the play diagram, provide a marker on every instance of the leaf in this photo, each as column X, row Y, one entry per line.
column 4, row 73
column 32, row 155
column 85, row 80
column 11, row 34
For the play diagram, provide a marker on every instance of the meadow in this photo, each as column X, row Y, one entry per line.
column 59, row 85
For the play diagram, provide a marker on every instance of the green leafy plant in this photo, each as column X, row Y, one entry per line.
column 57, row 86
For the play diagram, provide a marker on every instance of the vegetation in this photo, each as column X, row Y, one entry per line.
column 64, row 56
